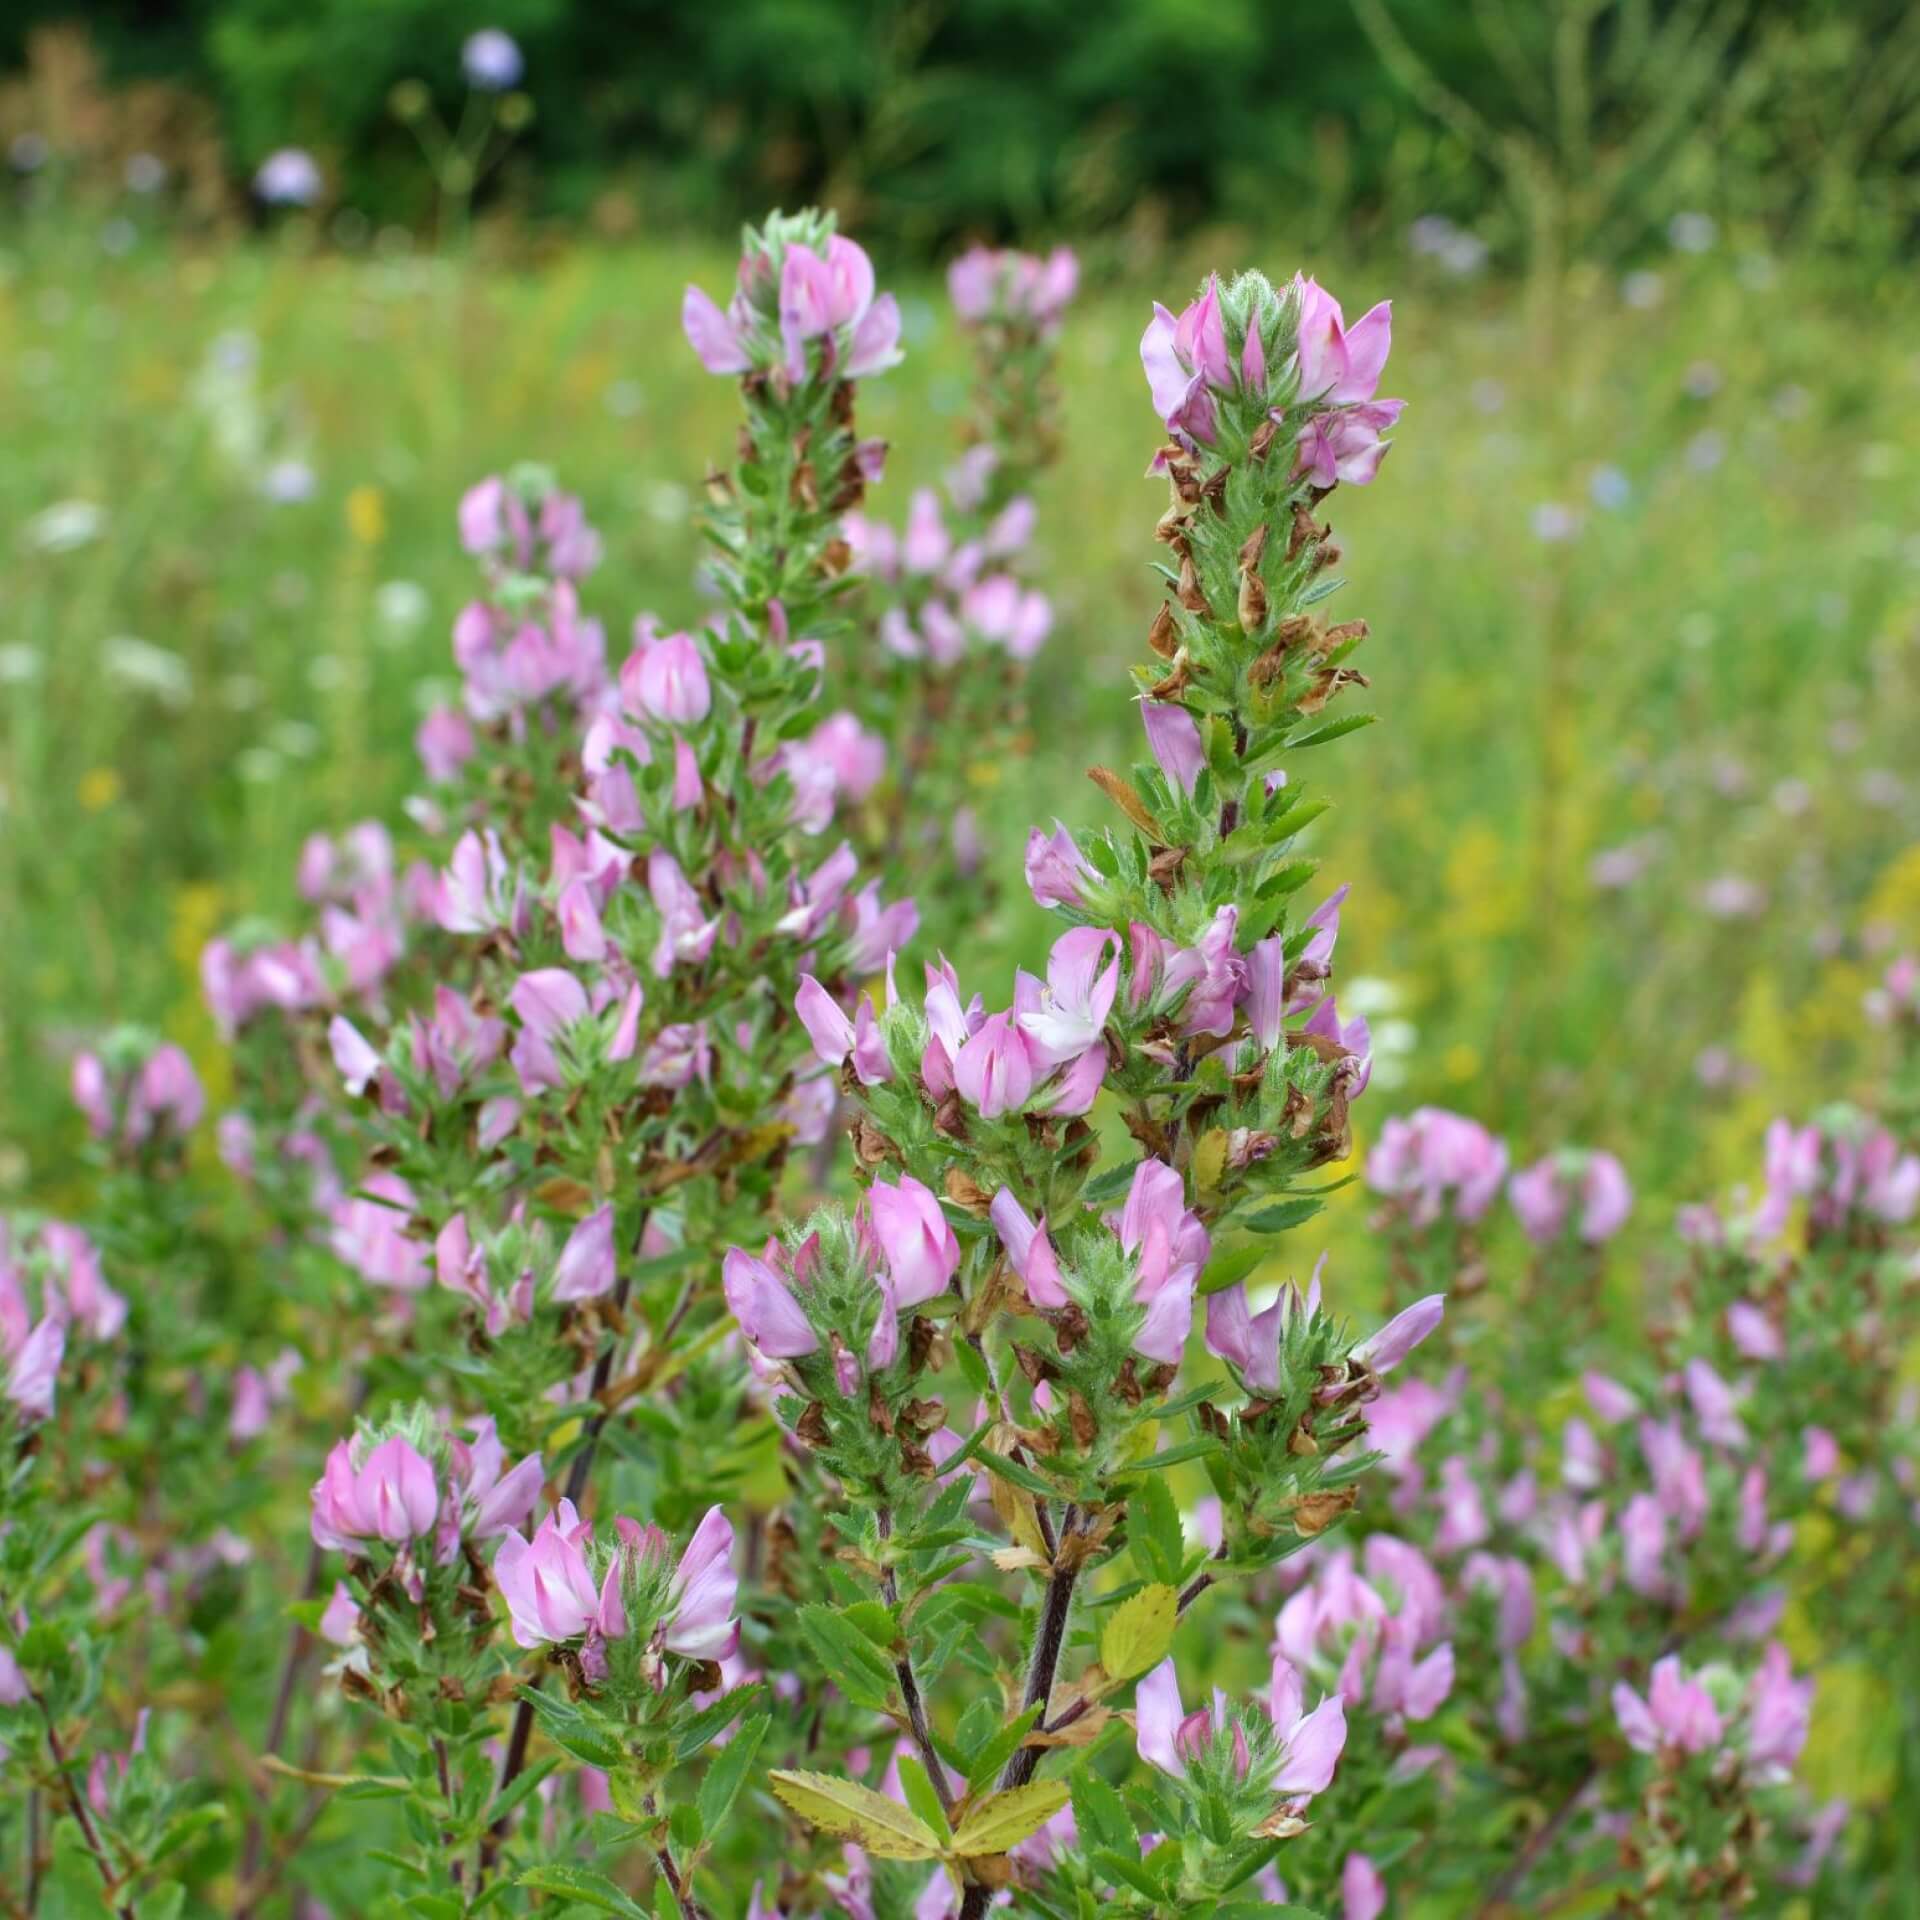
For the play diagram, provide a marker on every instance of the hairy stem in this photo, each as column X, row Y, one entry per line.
column 909, row 1685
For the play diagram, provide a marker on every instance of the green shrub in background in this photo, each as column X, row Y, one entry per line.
column 928, row 120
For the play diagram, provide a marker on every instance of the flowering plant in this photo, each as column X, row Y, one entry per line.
column 686, row 1535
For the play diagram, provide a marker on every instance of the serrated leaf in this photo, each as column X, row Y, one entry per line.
column 1101, row 1815
column 853, row 1812
column 1153, row 1526
column 1002, row 1820
column 1138, row 1633
column 852, row 1662
column 590, row 1889
column 728, row 1773
column 1282, row 1218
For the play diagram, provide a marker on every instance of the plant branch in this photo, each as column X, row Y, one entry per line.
column 909, row 1685
column 1514, row 1877
column 521, row 1735
column 77, row 1806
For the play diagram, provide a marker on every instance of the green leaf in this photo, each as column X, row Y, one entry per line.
column 1002, row 1820
column 588, row 1888
column 1333, row 730
column 921, row 1797
column 874, row 1620
column 728, row 1773
column 1228, row 1269
column 852, row 1662
column 1138, row 1633
column 1282, row 1218
column 886, row 1829
column 1101, row 1815
column 528, row 1781
column 993, row 1754
column 1153, row 1527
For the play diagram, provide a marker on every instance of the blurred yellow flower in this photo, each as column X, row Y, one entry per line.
column 1462, row 1062
column 367, row 515
column 99, row 788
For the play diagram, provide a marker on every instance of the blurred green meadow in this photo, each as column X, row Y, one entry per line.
column 1639, row 824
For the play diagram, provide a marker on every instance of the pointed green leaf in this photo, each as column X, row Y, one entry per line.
column 921, row 1797
column 729, row 1771
column 583, row 1885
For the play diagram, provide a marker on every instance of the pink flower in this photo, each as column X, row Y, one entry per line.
column 1170, row 1247
column 1643, row 1544
column 1313, row 1741
column 1173, row 737
column 1677, row 1713
column 666, row 680
column 340, row 1620
column 1346, row 446
column 1545, row 1195
column 546, row 1582
column 369, row 1234
column 391, row 1495
column 994, row 1070
column 715, row 336
column 1398, row 1338
column 1055, row 868
column 700, row 1624
column 1164, row 1732
column 1337, row 365
column 760, row 1299
column 1029, row 1251
column 33, row 1366
column 1250, row 1342
column 1779, row 1709
column 1363, row 1892
column 921, row 1252
column 353, row 1054
column 1437, row 1162
column 586, row 1268
column 1066, row 1018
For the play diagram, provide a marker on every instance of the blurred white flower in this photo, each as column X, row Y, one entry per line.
column 288, row 178
column 296, row 739
column 287, row 482
column 1552, row 520
column 1692, row 232
column 1705, row 451
column 1609, row 488
column 1643, row 289
column 65, row 525
column 145, row 173
column 144, row 668
column 1702, row 380
column 19, row 663
column 1731, row 896
column 1370, row 997
column 401, row 606
column 491, row 61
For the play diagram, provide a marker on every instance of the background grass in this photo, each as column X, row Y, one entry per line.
column 1643, row 572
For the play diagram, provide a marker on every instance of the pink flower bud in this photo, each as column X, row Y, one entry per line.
column 667, row 681
column 586, row 1268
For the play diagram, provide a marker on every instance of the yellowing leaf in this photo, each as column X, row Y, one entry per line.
column 1209, row 1160
column 1139, row 1632
column 1002, row 1820
column 884, row 1827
